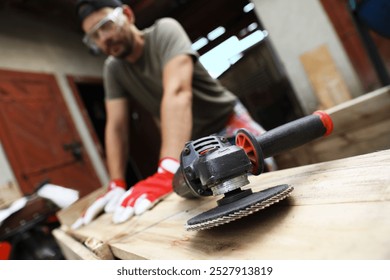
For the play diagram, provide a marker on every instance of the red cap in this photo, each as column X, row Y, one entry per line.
column 326, row 121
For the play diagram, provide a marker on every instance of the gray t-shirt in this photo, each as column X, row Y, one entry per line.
column 142, row 80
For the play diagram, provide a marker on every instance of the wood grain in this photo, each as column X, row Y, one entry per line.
column 361, row 125
column 338, row 210
column 72, row 249
column 9, row 193
column 325, row 78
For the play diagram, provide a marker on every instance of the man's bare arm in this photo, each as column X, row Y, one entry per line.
column 176, row 106
column 116, row 137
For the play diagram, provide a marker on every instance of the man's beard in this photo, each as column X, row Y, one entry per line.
column 127, row 47
column 126, row 51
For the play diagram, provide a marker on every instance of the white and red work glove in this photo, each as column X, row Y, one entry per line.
column 146, row 193
column 107, row 202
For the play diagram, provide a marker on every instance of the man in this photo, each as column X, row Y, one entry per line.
column 158, row 68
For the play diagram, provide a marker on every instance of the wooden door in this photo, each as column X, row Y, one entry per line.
column 38, row 135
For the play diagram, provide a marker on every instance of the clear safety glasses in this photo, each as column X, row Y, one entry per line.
column 108, row 24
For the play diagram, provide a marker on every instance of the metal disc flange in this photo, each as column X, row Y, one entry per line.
column 238, row 209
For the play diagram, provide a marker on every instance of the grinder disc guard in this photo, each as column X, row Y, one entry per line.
column 227, row 212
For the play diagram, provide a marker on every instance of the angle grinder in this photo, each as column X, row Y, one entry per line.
column 212, row 166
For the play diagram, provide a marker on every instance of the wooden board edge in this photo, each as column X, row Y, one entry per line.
column 72, row 249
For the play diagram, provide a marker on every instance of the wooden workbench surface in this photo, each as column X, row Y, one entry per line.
column 338, row 210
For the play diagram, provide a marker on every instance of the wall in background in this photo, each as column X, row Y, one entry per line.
column 298, row 27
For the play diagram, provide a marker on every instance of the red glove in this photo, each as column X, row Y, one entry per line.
column 108, row 201
column 146, row 193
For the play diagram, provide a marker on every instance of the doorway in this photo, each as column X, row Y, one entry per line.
column 144, row 134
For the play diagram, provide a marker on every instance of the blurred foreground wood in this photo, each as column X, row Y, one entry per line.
column 361, row 126
column 338, row 210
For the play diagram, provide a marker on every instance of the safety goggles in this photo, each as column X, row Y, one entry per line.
column 108, row 24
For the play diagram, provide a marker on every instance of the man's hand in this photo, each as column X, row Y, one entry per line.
column 146, row 193
column 107, row 202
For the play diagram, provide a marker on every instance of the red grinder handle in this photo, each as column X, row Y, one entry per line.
column 285, row 137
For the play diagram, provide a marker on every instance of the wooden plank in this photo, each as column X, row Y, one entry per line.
column 100, row 249
column 103, row 231
column 361, row 141
column 280, row 233
column 344, row 202
column 361, row 111
column 69, row 215
column 9, row 193
column 326, row 79
column 338, row 210
column 72, row 249
column 361, row 125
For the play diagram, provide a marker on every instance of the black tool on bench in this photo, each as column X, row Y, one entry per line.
column 211, row 166
column 28, row 231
